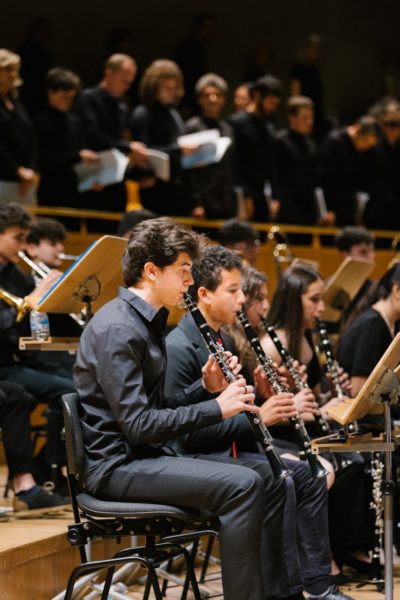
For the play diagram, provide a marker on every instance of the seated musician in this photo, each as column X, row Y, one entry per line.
column 295, row 307
column 217, row 291
column 128, row 422
column 15, row 366
column 15, row 407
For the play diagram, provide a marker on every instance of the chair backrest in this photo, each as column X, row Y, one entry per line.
column 73, row 435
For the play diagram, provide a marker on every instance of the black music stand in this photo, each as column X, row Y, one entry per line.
column 379, row 391
column 91, row 281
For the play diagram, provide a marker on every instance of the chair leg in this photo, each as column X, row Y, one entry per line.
column 154, row 581
column 206, row 559
column 165, row 581
column 107, row 583
column 147, row 588
column 190, row 574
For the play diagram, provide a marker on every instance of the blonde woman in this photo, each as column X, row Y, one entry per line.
column 17, row 142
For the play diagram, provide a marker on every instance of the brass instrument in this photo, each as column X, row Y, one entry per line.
column 281, row 252
column 20, row 304
column 43, row 270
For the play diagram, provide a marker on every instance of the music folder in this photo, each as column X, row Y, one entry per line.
column 366, row 402
column 343, row 287
column 92, row 279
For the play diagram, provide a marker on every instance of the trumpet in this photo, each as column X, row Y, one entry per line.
column 20, row 304
column 281, row 252
column 43, row 270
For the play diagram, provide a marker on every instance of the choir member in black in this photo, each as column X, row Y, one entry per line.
column 297, row 164
column 345, row 165
column 241, row 96
column 17, row 140
column 191, row 56
column 61, row 141
column 254, row 139
column 105, row 118
column 305, row 80
column 157, row 123
column 129, row 423
column 296, row 304
column 15, row 408
column 383, row 208
column 217, row 291
column 46, row 385
column 212, row 187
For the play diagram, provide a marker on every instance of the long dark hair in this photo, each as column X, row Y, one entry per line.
column 286, row 310
column 378, row 291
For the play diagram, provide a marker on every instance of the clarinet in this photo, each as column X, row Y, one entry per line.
column 332, row 366
column 278, row 467
column 288, row 361
column 297, row 422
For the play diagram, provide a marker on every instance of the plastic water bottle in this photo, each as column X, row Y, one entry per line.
column 40, row 327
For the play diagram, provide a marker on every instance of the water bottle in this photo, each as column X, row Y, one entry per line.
column 40, row 328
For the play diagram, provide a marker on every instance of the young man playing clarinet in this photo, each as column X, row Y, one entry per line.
column 217, row 291
column 129, row 423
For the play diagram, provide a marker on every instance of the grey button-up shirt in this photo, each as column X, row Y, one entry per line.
column 119, row 376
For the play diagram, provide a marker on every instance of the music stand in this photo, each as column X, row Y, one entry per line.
column 343, row 287
column 380, row 390
column 92, row 280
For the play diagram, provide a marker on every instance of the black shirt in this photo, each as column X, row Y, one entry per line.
column 60, row 137
column 119, row 376
column 17, row 141
column 104, row 118
column 364, row 343
column 297, row 171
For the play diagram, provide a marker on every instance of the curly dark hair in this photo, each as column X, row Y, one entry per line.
column 46, row 229
column 206, row 270
column 13, row 215
column 159, row 241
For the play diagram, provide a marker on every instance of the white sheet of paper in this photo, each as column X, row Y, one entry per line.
column 159, row 162
column 198, row 138
column 9, row 192
column 110, row 169
column 207, row 154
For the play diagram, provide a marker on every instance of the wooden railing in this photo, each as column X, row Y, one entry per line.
column 316, row 243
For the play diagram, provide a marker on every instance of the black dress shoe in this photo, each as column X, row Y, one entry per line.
column 332, row 593
column 340, row 579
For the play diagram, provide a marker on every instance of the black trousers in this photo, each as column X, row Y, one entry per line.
column 306, row 531
column 47, row 387
column 245, row 497
column 15, row 408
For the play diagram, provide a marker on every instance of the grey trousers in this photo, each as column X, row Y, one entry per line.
column 245, row 497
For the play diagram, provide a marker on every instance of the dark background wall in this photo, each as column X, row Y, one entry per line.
column 359, row 36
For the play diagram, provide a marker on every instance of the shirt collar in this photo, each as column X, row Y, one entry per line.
column 148, row 312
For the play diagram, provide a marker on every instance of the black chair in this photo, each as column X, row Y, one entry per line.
column 108, row 519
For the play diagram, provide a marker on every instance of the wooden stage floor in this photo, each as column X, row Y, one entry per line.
column 36, row 559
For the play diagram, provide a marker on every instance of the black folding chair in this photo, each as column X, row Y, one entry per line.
column 108, row 519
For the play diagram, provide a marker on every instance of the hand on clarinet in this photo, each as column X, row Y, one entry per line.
column 262, row 383
column 306, row 404
column 278, row 408
column 213, row 379
column 237, row 397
